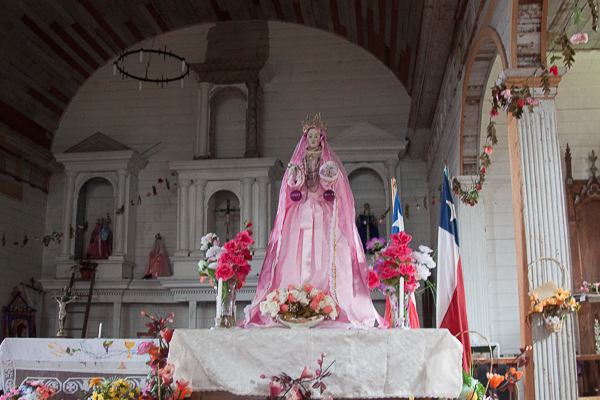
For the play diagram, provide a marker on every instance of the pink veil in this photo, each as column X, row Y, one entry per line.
column 347, row 283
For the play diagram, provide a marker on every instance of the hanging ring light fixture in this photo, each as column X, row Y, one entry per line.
column 119, row 65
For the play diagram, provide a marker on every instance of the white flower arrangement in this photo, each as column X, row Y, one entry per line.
column 210, row 245
column 328, row 173
column 552, row 320
column 208, row 240
column 295, row 176
column 423, row 261
column 299, row 300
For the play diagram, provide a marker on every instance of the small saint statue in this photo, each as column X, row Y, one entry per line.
column 227, row 211
column 62, row 301
column 367, row 226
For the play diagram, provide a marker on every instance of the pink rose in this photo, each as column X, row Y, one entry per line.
column 494, row 113
column 328, row 310
column 275, row 388
column 167, row 334
column 167, row 372
column 224, row 271
column 400, row 239
column 307, row 373
column 144, row 347
column 372, row 280
column 388, row 272
column 488, row 150
column 579, row 38
column 245, row 239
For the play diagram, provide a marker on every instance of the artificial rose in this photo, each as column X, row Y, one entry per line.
column 167, row 334
column 400, row 239
column 275, row 388
column 488, row 150
column 401, row 253
column 373, row 280
column 388, row 272
column 232, row 245
column 167, row 372
column 520, row 102
column 293, row 394
column 579, row 38
column 225, row 258
column 224, row 271
column 307, row 373
column 553, row 70
column 238, row 260
column 494, row 113
column 245, row 239
column 144, row 347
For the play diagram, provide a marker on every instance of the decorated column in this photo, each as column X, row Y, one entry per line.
column 65, row 248
column 200, row 186
column 183, row 186
column 263, row 211
column 192, row 219
column 119, row 244
column 473, row 248
column 546, row 234
column 201, row 145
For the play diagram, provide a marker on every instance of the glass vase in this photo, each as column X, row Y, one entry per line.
column 399, row 318
column 226, row 312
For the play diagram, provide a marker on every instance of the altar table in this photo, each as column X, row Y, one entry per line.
column 368, row 363
column 68, row 364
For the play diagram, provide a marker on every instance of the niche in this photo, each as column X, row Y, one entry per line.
column 228, row 123
column 367, row 187
column 223, row 215
column 95, row 206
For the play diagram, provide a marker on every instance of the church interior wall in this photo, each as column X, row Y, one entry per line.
column 312, row 71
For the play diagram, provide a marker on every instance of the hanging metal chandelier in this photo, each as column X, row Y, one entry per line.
column 146, row 75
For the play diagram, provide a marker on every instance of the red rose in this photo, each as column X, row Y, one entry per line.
column 554, row 70
column 521, row 102
column 400, row 239
column 372, row 280
column 224, row 271
column 245, row 239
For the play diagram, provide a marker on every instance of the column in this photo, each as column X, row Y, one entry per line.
column 390, row 168
column 263, row 211
column 546, row 235
column 200, row 186
column 65, row 245
column 192, row 219
column 253, row 119
column 473, row 249
column 183, row 187
column 192, row 314
column 247, row 184
column 119, row 243
column 201, row 145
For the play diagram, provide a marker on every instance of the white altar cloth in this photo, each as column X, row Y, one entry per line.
column 368, row 363
column 68, row 364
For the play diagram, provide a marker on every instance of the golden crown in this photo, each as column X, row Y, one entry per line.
column 314, row 121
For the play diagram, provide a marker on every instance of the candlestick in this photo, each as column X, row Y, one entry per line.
column 219, row 297
column 100, row 330
column 401, row 302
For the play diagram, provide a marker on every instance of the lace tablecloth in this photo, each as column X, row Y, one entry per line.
column 368, row 363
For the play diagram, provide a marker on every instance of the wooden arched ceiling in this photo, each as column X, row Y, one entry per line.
column 49, row 48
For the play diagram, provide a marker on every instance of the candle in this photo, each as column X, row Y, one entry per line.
column 100, row 330
column 183, row 66
column 219, row 297
column 401, row 302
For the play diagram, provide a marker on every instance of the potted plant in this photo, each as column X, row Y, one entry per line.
column 85, row 268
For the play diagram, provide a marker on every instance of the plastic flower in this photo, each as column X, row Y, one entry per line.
column 579, row 38
column 488, row 150
column 495, row 379
column 493, row 113
column 167, row 372
column 224, row 271
column 307, row 373
column 167, row 334
column 275, row 388
column 98, row 381
column 142, row 348
column 373, row 280
column 506, row 94
column 553, row 70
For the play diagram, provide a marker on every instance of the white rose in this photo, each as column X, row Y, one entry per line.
column 314, row 292
column 215, row 252
column 425, row 249
column 213, row 265
column 273, row 308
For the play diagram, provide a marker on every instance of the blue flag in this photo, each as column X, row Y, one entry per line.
column 397, row 218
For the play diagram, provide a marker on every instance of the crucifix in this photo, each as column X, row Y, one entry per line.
column 228, row 211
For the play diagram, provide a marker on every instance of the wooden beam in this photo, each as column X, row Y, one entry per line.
column 516, row 179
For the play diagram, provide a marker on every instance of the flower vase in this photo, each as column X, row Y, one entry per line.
column 399, row 310
column 226, row 312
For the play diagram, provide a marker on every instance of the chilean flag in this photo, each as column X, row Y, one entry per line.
column 451, row 305
column 397, row 226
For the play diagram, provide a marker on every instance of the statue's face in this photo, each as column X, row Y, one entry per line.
column 314, row 138
column 367, row 207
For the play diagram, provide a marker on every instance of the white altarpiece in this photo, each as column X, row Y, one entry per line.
column 101, row 157
column 366, row 146
column 198, row 180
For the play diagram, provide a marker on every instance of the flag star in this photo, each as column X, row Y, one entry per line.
column 452, row 210
column 399, row 222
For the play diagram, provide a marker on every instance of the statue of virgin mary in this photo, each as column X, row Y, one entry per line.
column 314, row 239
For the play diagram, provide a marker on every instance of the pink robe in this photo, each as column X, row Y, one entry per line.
column 316, row 241
column 158, row 265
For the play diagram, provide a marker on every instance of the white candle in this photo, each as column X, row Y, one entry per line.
column 219, row 297
column 100, row 330
column 401, row 302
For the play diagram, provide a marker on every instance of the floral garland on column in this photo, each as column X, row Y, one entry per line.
column 515, row 99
